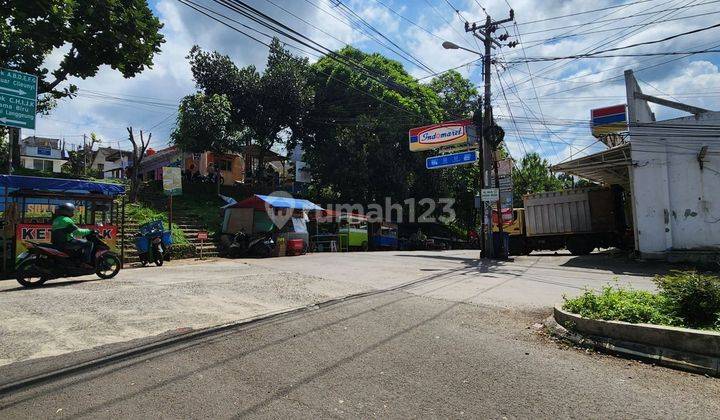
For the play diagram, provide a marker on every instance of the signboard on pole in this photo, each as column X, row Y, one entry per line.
column 608, row 120
column 453, row 159
column 439, row 135
column 172, row 180
column 18, row 99
column 490, row 194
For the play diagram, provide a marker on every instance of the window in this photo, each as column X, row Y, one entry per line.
column 43, row 165
column 224, row 165
column 101, row 167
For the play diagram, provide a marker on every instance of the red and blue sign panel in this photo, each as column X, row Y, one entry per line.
column 611, row 119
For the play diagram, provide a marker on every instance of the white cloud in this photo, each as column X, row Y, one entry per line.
column 567, row 90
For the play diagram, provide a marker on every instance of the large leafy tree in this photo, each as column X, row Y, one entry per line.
column 268, row 108
column 458, row 96
column 356, row 142
column 204, row 124
column 122, row 34
column 533, row 175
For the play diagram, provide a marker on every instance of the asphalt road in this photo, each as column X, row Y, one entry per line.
column 395, row 354
column 76, row 314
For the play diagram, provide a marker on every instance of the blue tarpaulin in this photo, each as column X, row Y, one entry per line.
column 258, row 202
column 288, row 202
column 17, row 182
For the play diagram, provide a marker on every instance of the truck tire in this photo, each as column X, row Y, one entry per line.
column 517, row 246
column 580, row 246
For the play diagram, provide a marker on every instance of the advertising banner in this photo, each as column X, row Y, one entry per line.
column 172, row 180
column 608, row 120
column 439, row 135
column 40, row 232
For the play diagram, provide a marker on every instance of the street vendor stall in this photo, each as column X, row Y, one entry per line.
column 383, row 236
column 259, row 214
column 28, row 204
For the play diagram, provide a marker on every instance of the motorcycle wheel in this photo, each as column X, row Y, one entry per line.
column 108, row 266
column 28, row 276
column 263, row 252
column 159, row 257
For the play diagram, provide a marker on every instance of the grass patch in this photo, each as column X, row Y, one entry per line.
column 204, row 206
column 684, row 299
column 144, row 214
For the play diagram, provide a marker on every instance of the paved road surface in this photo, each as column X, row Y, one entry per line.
column 395, row 355
column 77, row 314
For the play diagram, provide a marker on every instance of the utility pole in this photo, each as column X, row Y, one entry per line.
column 488, row 151
column 84, row 154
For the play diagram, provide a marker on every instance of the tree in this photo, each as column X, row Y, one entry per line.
column 203, row 124
column 531, row 176
column 457, row 95
column 268, row 108
column 122, row 34
column 138, row 154
column 356, row 142
column 80, row 159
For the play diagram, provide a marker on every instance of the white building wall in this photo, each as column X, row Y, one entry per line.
column 677, row 205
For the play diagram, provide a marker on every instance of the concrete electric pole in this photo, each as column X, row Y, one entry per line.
column 488, row 154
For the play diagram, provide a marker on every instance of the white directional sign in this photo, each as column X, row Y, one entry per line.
column 18, row 99
column 490, row 194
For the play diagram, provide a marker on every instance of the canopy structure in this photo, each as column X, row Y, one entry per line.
column 261, row 202
column 324, row 215
column 59, row 185
column 607, row 167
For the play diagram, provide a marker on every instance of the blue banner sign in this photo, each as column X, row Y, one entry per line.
column 454, row 159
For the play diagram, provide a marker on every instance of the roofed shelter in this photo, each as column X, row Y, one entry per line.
column 28, row 204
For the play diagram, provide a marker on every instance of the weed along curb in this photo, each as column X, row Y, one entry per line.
column 680, row 348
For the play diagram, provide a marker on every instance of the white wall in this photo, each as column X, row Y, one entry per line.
column 676, row 204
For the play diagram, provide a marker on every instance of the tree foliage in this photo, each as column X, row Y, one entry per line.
column 204, row 124
column 357, row 143
column 267, row 108
column 122, row 34
column 457, row 95
column 533, row 175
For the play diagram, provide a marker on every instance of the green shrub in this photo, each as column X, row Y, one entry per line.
column 621, row 304
column 692, row 296
column 143, row 214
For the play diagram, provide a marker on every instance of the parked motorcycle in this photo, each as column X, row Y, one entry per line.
column 42, row 262
column 261, row 245
column 152, row 243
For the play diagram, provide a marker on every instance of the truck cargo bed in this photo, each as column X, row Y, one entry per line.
column 568, row 212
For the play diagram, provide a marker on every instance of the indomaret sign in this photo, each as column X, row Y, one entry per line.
column 439, row 135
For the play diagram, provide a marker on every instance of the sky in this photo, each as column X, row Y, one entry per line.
column 543, row 106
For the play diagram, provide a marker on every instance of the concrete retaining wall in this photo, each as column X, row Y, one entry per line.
column 680, row 339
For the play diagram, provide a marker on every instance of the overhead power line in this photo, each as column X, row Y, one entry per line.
column 584, row 12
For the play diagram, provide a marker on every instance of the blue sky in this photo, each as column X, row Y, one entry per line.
column 549, row 110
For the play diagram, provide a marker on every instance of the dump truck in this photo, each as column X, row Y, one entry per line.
column 579, row 219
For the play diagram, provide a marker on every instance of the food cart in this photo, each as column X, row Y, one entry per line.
column 260, row 214
column 383, row 236
column 353, row 232
column 28, row 204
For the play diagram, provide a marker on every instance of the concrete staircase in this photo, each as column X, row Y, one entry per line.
column 190, row 226
column 131, row 229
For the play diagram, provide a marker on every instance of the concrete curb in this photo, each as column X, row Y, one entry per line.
column 679, row 348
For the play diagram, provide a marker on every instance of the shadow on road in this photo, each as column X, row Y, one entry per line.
column 614, row 262
column 50, row 285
